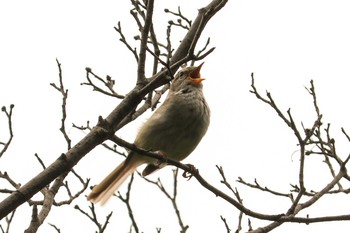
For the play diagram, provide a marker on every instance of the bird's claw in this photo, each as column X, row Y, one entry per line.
column 189, row 174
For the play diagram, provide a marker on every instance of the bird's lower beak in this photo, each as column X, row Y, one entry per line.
column 195, row 75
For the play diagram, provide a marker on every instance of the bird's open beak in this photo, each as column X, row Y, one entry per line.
column 195, row 75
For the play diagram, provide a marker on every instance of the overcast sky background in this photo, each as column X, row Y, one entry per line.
column 285, row 44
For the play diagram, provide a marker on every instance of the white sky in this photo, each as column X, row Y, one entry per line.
column 285, row 44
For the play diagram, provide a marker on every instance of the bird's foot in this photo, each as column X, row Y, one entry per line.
column 189, row 174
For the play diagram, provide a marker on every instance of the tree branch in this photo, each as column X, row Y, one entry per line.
column 9, row 120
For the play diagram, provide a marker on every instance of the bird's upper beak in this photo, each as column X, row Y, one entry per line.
column 195, row 75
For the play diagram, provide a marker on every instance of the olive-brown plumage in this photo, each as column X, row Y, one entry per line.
column 175, row 129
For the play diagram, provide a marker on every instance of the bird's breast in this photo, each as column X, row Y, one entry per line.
column 176, row 127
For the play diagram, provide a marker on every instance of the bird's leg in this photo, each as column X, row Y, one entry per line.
column 158, row 164
column 193, row 171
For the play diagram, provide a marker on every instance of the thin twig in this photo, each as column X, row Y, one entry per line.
column 109, row 83
column 143, row 45
column 228, row 230
column 124, row 41
column 172, row 198
column 9, row 120
column 55, row 227
column 93, row 217
column 126, row 201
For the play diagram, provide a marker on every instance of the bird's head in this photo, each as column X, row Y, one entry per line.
column 189, row 76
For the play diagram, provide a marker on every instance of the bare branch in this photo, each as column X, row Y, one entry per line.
column 40, row 161
column 123, row 40
column 35, row 222
column 64, row 93
column 126, row 201
column 256, row 185
column 180, row 19
column 228, row 230
column 141, row 77
column 326, row 147
column 55, row 227
column 9, row 120
column 12, row 182
column 312, row 92
column 346, row 135
column 235, row 192
column 109, row 83
column 8, row 220
column 93, row 217
column 172, row 198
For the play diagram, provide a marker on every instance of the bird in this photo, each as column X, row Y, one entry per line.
column 174, row 129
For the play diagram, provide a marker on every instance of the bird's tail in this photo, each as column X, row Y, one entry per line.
column 109, row 185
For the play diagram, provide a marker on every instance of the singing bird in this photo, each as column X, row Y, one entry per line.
column 174, row 129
